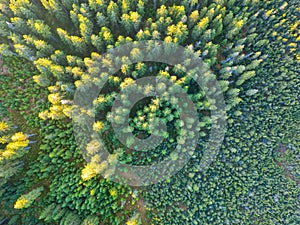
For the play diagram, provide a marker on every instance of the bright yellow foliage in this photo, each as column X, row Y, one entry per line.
column 131, row 222
column 20, row 203
column 124, row 68
column 294, row 26
column 16, row 4
column 19, row 137
column 107, row 35
column 128, row 81
column 88, row 172
column 4, row 139
column 54, row 98
column 203, row 23
column 239, row 23
column 16, row 145
column 293, row 45
column 98, row 126
column 43, row 115
column 269, row 12
column 168, row 39
column 135, row 220
column 176, row 30
column 135, row 17
column 68, row 111
column 3, row 126
column 113, row 192
column 194, row 16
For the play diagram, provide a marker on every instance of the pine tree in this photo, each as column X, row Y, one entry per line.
column 245, row 76
column 90, row 220
column 4, row 127
column 85, row 27
column 24, row 201
column 134, row 220
column 47, row 211
column 9, row 168
column 113, row 12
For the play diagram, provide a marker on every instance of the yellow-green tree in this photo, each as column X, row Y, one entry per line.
column 26, row 200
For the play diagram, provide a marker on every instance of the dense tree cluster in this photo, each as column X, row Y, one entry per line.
column 52, row 49
column 13, row 147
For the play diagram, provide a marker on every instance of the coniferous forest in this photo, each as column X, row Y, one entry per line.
column 131, row 112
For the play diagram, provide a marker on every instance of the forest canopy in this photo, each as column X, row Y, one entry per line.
column 74, row 72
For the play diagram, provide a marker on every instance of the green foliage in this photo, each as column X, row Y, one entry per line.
column 24, row 201
column 252, row 48
column 90, row 220
column 12, row 147
column 18, row 91
column 254, row 179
